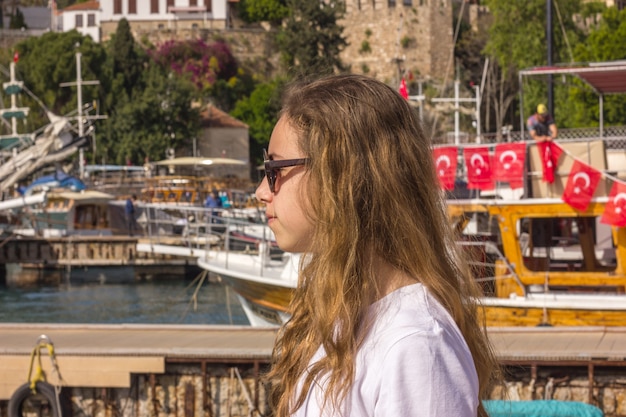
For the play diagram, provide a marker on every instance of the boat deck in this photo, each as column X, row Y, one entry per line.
column 106, row 355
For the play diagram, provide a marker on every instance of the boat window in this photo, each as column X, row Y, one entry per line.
column 566, row 244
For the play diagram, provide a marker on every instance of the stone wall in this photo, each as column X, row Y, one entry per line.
column 235, row 390
column 387, row 40
column 603, row 387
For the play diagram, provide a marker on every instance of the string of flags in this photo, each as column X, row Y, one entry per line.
column 507, row 162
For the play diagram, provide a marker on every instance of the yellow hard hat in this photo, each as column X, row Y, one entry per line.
column 542, row 109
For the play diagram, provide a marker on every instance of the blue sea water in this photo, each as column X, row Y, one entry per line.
column 158, row 302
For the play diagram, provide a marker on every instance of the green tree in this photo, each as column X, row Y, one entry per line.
column 311, row 39
column 127, row 61
column 160, row 116
column 605, row 43
column 263, row 10
column 17, row 20
column 517, row 40
column 49, row 60
column 260, row 112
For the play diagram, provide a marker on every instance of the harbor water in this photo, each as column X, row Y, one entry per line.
column 175, row 301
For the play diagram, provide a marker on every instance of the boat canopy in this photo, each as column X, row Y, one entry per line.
column 193, row 161
column 607, row 77
column 113, row 168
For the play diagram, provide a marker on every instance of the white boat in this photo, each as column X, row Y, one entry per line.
column 263, row 284
column 59, row 213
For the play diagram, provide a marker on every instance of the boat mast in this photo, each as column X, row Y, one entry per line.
column 13, row 88
column 79, row 98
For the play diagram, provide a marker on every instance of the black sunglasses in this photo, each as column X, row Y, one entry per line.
column 272, row 168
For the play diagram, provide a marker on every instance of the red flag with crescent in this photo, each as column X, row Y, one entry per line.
column 581, row 184
column 478, row 163
column 404, row 92
column 615, row 210
column 445, row 165
column 509, row 163
column 16, row 56
column 550, row 153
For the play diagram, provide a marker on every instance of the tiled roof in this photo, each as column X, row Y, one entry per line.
column 88, row 5
column 214, row 117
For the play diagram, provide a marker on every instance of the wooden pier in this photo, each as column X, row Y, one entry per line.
column 118, row 357
column 50, row 261
column 105, row 356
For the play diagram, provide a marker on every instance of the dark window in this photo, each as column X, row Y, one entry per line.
column 207, row 4
column 566, row 244
column 170, row 3
column 154, row 6
column 117, row 6
column 132, row 6
column 91, row 20
column 193, row 2
column 391, row 3
column 407, row 2
column 79, row 20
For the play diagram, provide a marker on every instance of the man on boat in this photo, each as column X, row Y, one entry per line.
column 541, row 125
column 130, row 214
column 214, row 202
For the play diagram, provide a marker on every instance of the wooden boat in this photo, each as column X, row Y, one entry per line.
column 547, row 264
column 64, row 213
column 188, row 180
column 540, row 261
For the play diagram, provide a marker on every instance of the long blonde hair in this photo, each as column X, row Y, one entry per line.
column 372, row 194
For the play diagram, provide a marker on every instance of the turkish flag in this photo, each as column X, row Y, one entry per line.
column 550, row 153
column 445, row 165
column 16, row 57
column 581, row 184
column 478, row 163
column 615, row 210
column 404, row 92
column 509, row 163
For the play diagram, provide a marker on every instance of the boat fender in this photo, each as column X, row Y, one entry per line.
column 58, row 407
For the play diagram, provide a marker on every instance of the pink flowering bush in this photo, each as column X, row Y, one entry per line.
column 203, row 63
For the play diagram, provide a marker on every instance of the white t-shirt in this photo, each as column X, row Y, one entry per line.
column 414, row 362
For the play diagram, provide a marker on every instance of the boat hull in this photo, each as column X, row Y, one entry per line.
column 534, row 317
column 264, row 285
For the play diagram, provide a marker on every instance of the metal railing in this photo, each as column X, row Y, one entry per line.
column 204, row 228
column 615, row 133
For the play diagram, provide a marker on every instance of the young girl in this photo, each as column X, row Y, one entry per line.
column 383, row 322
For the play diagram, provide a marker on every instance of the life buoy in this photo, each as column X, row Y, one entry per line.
column 46, row 392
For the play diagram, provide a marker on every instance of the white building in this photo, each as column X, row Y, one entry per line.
column 146, row 16
column 84, row 17
column 99, row 19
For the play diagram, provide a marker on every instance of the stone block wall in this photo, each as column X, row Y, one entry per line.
column 388, row 38
column 603, row 387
